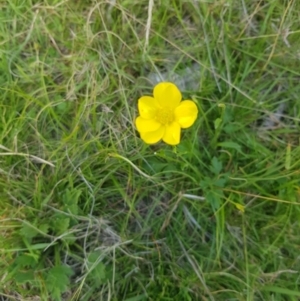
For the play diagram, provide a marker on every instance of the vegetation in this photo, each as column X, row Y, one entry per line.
column 89, row 211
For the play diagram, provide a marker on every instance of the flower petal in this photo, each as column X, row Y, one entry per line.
column 147, row 107
column 153, row 137
column 186, row 113
column 172, row 134
column 167, row 94
column 146, row 125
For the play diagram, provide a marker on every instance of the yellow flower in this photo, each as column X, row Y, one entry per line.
column 164, row 115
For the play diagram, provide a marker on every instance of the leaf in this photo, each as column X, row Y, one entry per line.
column 47, row 199
column 159, row 167
column 216, row 165
column 21, row 269
column 217, row 123
column 70, row 200
column 213, row 199
column 138, row 298
column 60, row 223
column 69, row 238
column 28, row 231
column 220, row 182
column 23, row 277
column 287, row 164
column 232, row 145
column 26, row 260
column 58, row 280
column 62, row 107
column 205, row 183
column 231, row 128
column 44, row 227
column 97, row 268
column 31, row 247
column 41, row 246
column 281, row 290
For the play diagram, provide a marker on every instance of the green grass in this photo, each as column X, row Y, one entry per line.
column 89, row 212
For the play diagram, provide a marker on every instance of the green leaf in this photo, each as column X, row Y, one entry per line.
column 205, row 183
column 70, row 200
column 58, row 280
column 288, row 158
column 47, row 199
column 138, row 298
column 41, row 246
column 220, row 182
column 23, row 277
column 159, row 167
column 62, row 107
column 69, row 238
column 60, row 223
column 26, row 260
column 217, row 123
column 216, row 165
column 44, row 227
column 232, row 145
column 28, row 231
column 31, row 247
column 281, row 290
column 231, row 128
column 214, row 199
column 97, row 269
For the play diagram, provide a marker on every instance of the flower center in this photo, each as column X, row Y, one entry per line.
column 165, row 116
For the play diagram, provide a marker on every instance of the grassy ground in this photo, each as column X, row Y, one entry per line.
column 89, row 212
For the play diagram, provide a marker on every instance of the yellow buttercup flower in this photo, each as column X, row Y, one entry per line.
column 164, row 115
